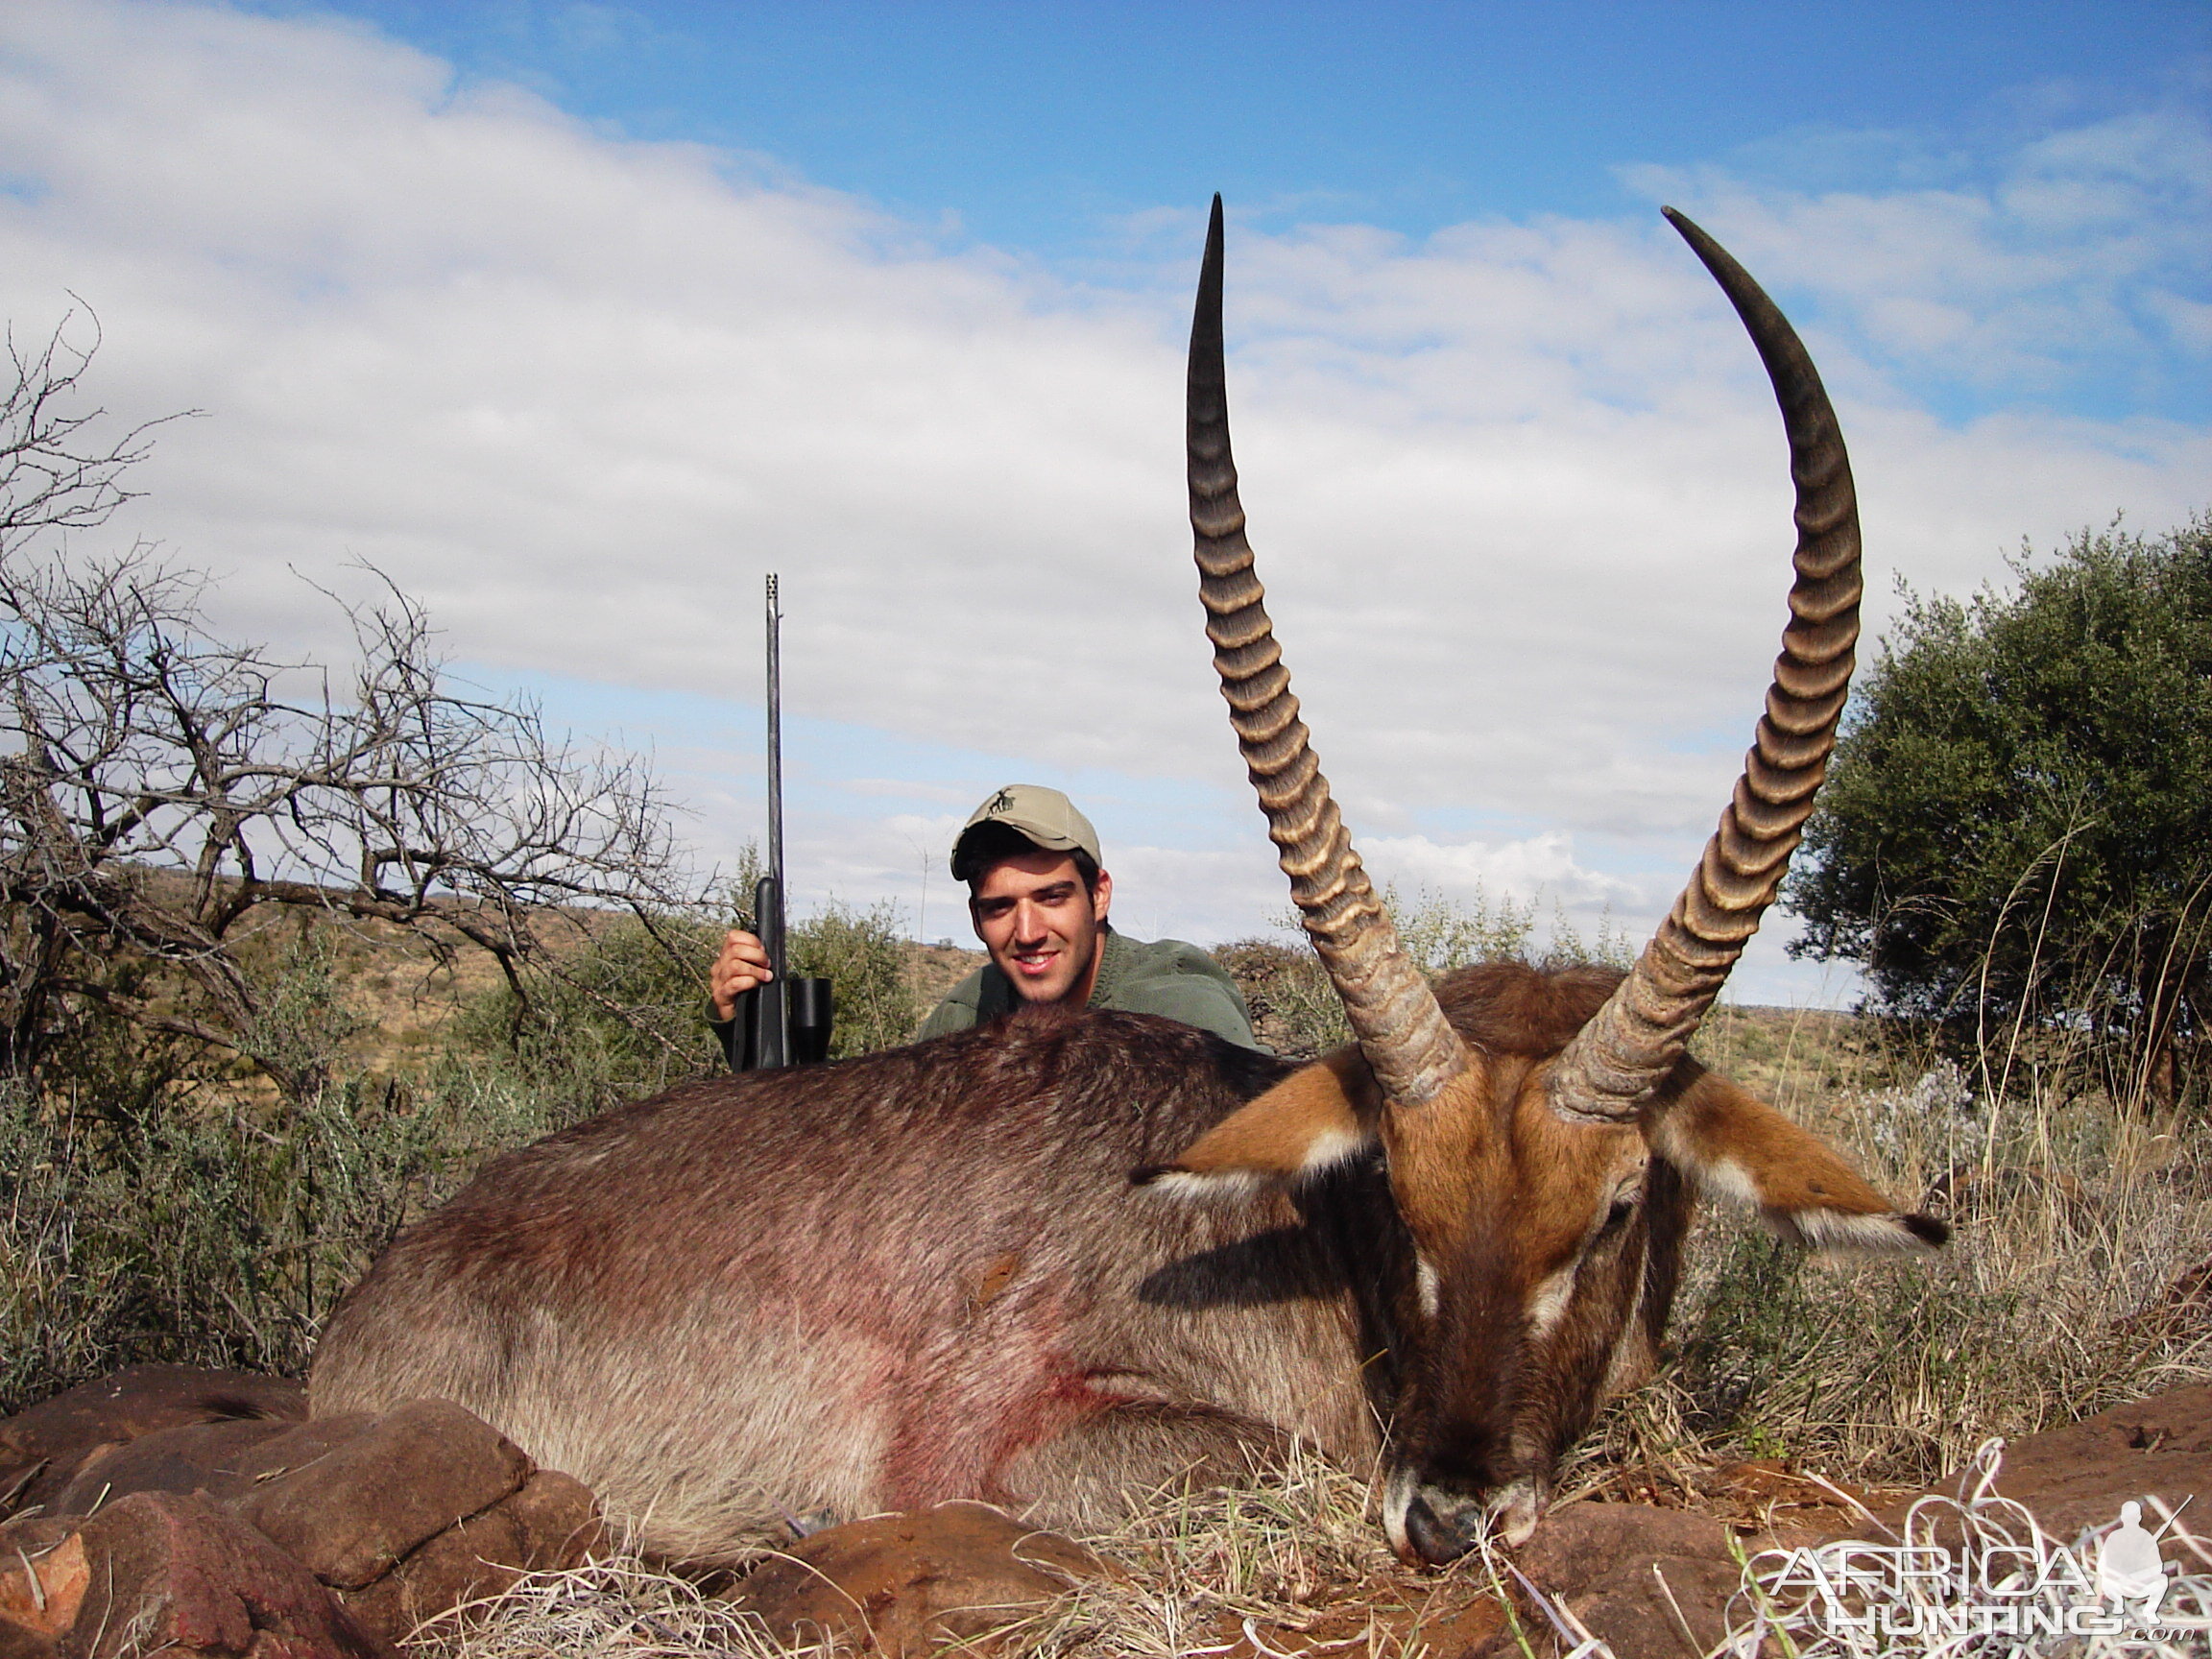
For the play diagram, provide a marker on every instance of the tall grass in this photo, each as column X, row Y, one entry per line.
column 158, row 1204
column 2075, row 1278
column 219, row 1231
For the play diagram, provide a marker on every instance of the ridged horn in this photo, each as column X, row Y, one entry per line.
column 1401, row 1028
column 1635, row 1039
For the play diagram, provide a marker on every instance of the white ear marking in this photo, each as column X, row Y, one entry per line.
column 1852, row 1235
column 1193, row 1187
column 1550, row 1299
column 1331, row 1147
column 1432, row 1287
column 1725, row 1178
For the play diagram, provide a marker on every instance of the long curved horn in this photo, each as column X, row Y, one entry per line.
column 1401, row 1028
column 1635, row 1039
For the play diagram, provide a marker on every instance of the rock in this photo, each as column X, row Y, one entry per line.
column 1598, row 1559
column 222, row 1461
column 348, row 1495
column 43, row 1578
column 172, row 1574
column 910, row 1583
column 43, row 1448
column 401, row 1516
column 384, row 1486
column 550, row 1522
column 1605, row 1563
column 2079, row 1475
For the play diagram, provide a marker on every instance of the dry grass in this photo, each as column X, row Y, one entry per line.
column 1291, row 1563
column 1294, row 1562
column 615, row 1605
column 2075, row 1280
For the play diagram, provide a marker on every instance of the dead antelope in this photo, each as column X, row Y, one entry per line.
column 925, row 1274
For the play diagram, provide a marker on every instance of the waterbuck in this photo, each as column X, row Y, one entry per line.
column 1062, row 1260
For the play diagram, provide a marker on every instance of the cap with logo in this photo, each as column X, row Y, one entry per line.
column 1043, row 816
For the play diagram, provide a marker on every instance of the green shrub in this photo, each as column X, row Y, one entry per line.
column 864, row 954
column 623, row 1014
column 1296, row 1012
column 1295, row 1009
column 221, row 1233
column 620, row 1014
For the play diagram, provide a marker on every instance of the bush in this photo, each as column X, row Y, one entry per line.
column 221, row 1233
column 1295, row 1011
column 2013, row 827
column 864, row 954
column 623, row 1014
column 618, row 1015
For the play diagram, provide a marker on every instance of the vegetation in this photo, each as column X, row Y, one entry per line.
column 2014, row 833
column 625, row 1013
column 1296, row 1012
column 2075, row 1278
column 204, row 1235
column 153, row 1208
column 166, row 796
column 201, row 1146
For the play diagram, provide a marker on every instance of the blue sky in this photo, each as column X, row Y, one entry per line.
column 577, row 319
column 1034, row 127
column 1051, row 132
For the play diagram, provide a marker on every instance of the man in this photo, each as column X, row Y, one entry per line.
column 1038, row 899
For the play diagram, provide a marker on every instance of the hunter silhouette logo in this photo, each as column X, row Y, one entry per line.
column 1002, row 802
column 2128, row 1566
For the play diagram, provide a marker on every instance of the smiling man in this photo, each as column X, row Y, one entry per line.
column 1038, row 898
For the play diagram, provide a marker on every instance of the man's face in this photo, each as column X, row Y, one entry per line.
column 1040, row 925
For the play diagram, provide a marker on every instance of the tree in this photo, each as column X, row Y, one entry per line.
column 2017, row 826
column 167, row 796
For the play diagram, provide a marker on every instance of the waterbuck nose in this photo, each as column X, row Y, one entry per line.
column 1440, row 1539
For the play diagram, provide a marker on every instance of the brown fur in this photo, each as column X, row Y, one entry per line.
column 1549, row 1247
column 914, row 1276
column 924, row 1275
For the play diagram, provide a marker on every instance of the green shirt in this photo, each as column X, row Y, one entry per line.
column 1162, row 977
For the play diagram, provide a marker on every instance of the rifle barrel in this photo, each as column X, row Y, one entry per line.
column 776, row 761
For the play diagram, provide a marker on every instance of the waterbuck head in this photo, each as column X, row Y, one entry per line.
column 1544, row 1134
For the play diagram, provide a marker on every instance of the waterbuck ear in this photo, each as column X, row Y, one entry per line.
column 1736, row 1146
column 1317, row 1116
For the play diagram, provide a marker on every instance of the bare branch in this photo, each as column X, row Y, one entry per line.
column 54, row 475
column 165, row 792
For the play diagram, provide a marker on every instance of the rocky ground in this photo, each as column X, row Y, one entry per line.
column 196, row 1512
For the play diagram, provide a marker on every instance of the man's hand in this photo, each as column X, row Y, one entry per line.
column 742, row 965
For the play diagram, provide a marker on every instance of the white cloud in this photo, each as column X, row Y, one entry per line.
column 1519, row 491
column 2074, row 263
column 1540, row 863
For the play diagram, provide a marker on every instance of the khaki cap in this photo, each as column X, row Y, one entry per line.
column 1041, row 815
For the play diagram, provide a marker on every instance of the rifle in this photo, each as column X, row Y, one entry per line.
column 785, row 1021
